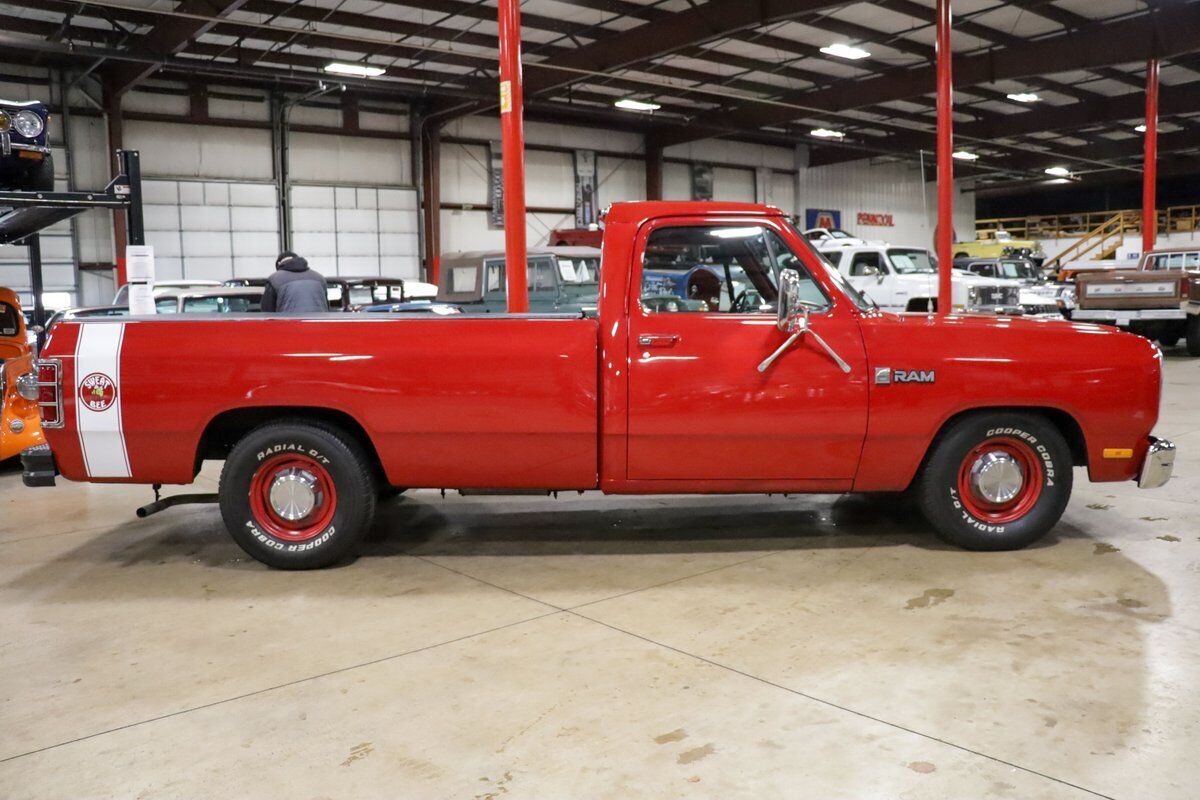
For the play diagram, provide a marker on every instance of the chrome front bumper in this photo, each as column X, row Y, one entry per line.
column 1123, row 316
column 1160, row 462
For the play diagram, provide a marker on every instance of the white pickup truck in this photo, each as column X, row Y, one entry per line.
column 905, row 279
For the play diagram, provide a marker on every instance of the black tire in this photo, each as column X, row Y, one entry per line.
column 1193, row 335
column 967, row 521
column 389, row 492
column 341, row 468
column 1169, row 341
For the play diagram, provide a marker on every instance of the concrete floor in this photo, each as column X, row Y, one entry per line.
column 598, row 647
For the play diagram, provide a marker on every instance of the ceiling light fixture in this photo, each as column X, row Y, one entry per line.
column 845, row 51
column 630, row 104
column 1024, row 97
column 963, row 155
column 1141, row 128
column 357, row 70
column 825, row 133
column 1058, row 172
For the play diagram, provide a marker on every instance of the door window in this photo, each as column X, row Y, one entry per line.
column 866, row 264
column 730, row 269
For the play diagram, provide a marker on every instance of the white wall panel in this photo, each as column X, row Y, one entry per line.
column 322, row 158
column 888, row 188
column 356, row 230
column 200, row 151
column 200, row 229
column 716, row 150
column 621, row 179
column 735, row 185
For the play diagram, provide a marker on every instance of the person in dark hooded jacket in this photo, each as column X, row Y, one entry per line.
column 294, row 288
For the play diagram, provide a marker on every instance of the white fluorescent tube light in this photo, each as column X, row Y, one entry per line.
column 845, row 51
column 630, row 104
column 1024, row 97
column 1058, row 172
column 357, row 70
column 963, row 155
column 1141, row 128
column 825, row 133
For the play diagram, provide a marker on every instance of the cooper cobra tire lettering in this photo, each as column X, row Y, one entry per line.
column 353, row 487
column 954, row 518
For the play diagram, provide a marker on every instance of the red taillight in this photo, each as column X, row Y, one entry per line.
column 49, row 393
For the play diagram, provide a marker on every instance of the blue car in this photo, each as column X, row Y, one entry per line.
column 25, row 160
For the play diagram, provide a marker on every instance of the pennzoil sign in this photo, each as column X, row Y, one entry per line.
column 878, row 220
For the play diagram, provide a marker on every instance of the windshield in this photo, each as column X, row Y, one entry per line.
column 368, row 294
column 579, row 270
column 838, row 233
column 10, row 320
column 912, row 261
column 1014, row 269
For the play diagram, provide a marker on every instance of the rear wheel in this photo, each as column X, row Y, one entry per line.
column 1193, row 335
column 1169, row 339
column 996, row 481
column 296, row 494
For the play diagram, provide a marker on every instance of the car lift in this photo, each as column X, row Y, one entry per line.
column 24, row 215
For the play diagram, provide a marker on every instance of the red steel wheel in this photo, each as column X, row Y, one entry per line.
column 292, row 497
column 1000, row 480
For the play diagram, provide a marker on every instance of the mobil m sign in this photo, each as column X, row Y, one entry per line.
column 912, row 376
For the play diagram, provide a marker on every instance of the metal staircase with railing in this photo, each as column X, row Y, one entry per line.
column 1099, row 243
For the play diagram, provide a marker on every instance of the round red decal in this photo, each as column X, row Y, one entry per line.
column 97, row 392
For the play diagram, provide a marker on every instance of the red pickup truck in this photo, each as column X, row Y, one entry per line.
column 779, row 377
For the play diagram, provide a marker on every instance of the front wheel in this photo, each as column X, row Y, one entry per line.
column 296, row 494
column 996, row 481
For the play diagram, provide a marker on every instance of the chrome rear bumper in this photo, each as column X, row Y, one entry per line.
column 1160, row 461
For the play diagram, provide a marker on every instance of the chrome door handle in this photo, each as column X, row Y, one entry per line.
column 657, row 340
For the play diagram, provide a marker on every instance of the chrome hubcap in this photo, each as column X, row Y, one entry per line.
column 294, row 494
column 997, row 477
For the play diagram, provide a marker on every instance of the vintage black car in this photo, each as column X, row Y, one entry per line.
column 25, row 160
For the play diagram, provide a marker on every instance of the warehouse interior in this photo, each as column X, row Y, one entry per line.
column 588, row 644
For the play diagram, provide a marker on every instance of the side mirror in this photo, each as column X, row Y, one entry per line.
column 792, row 311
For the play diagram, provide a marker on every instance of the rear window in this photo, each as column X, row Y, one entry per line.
column 10, row 320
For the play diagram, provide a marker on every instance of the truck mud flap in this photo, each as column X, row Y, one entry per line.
column 37, row 466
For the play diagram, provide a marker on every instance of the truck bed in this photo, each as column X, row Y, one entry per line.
column 448, row 401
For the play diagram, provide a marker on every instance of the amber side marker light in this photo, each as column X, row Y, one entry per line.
column 1118, row 452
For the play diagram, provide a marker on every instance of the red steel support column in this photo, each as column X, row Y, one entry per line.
column 1150, row 164
column 512, row 137
column 945, row 160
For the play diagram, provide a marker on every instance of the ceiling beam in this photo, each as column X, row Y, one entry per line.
column 170, row 35
column 1164, row 33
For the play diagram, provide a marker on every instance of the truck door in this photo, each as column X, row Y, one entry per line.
column 699, row 409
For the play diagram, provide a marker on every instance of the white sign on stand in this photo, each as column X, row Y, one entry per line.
column 139, row 269
column 141, row 299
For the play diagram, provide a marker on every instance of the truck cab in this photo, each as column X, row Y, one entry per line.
column 560, row 279
column 905, row 279
column 1154, row 300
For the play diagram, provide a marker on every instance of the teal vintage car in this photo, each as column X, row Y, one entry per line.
column 562, row 279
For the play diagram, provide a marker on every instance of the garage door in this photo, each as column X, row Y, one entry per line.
column 211, row 229
column 356, row 230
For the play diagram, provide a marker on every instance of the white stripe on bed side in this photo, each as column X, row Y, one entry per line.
column 101, row 434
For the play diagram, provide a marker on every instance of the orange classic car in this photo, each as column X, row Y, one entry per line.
column 20, row 425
